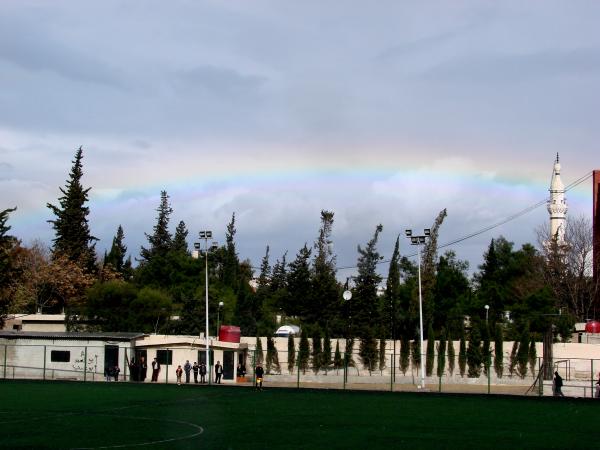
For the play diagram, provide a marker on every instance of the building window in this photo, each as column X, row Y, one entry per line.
column 60, row 356
column 164, row 357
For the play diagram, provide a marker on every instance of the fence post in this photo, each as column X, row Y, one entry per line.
column 392, row 373
column 487, row 363
column 298, row 370
column 541, row 378
column 592, row 378
column 85, row 365
column 5, row 352
column 44, row 370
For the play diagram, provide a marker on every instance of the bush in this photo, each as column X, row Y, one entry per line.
column 430, row 355
column 498, row 351
column 291, row 353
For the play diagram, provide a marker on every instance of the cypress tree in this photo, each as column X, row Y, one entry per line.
column 368, row 351
column 441, row 359
column 462, row 355
column 160, row 240
column 259, row 351
column 392, row 290
column 523, row 353
column 272, row 356
column 229, row 273
column 326, row 356
column 532, row 357
column 338, row 362
column 317, row 353
column 118, row 251
column 299, row 284
column 416, row 353
column 498, row 351
column 291, row 350
column 73, row 239
column 486, row 351
column 513, row 358
column 365, row 302
column 179, row 243
column 303, row 353
column 381, row 354
column 474, row 358
column 430, row 355
column 404, row 354
column 451, row 354
column 349, row 353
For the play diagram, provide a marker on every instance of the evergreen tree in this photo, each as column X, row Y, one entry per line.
column 512, row 364
column 303, row 353
column 368, row 351
column 317, row 352
column 392, row 291
column 523, row 353
column 404, row 354
column 326, row 357
column 324, row 303
column 349, row 353
column 299, row 285
column 179, row 243
column 462, row 355
column 416, row 353
column 263, row 308
column 441, row 350
column 259, row 351
column 118, row 251
column 428, row 266
column 272, row 356
column 291, row 353
column 430, row 355
column 451, row 355
column 486, row 351
column 498, row 350
column 532, row 357
column 229, row 274
column 338, row 362
column 73, row 238
column 474, row 358
column 6, row 276
column 365, row 312
column 382, row 354
column 160, row 240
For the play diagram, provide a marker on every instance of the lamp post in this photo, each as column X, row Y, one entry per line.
column 347, row 296
column 487, row 310
column 206, row 235
column 418, row 240
column 218, row 317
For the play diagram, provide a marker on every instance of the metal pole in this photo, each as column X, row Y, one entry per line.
column 44, row 372
column 208, row 366
column 345, row 367
column 592, row 377
column 85, row 365
column 298, row 370
column 421, row 319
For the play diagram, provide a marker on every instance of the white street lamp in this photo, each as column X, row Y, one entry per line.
column 418, row 240
column 218, row 318
column 487, row 310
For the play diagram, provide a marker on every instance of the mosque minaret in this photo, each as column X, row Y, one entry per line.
column 557, row 206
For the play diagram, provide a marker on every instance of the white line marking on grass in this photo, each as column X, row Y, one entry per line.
column 199, row 431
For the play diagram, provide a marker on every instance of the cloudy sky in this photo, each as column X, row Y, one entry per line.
column 383, row 112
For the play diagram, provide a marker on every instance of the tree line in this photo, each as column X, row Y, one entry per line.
column 525, row 289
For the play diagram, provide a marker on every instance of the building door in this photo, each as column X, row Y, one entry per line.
column 111, row 356
column 228, row 361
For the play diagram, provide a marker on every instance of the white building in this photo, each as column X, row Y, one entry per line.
column 557, row 205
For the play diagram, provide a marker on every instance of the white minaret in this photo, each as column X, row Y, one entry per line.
column 557, row 206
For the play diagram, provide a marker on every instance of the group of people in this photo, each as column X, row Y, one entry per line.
column 196, row 369
column 557, row 384
column 112, row 373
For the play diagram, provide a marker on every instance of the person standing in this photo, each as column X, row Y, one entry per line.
column 558, row 383
column 598, row 387
column 259, row 373
column 218, row 372
column 178, row 374
column 202, row 370
column 143, row 368
column 116, row 371
column 195, row 370
column 187, row 368
column 155, row 370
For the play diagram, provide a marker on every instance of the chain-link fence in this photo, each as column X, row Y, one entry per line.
column 390, row 370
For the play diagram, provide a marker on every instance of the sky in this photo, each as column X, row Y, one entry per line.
column 382, row 112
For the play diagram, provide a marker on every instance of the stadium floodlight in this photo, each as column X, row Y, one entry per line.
column 418, row 241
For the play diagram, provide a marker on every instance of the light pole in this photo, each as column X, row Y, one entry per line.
column 218, row 317
column 418, row 240
column 347, row 296
column 487, row 310
column 206, row 235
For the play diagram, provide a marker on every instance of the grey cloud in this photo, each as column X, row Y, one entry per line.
column 221, row 81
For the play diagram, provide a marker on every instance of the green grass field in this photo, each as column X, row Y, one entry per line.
column 111, row 415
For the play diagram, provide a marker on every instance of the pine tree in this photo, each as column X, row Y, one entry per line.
column 73, row 239
column 272, row 356
column 291, row 353
column 382, row 354
column 498, row 351
column 474, row 358
column 451, row 354
column 6, row 244
column 368, row 351
column 259, row 351
column 229, row 274
column 428, row 266
column 364, row 306
column 303, row 353
column 404, row 354
column 532, row 357
column 317, row 352
column 441, row 351
column 430, row 355
column 118, row 251
column 324, row 303
column 160, row 241
column 462, row 355
column 338, row 362
column 326, row 357
column 299, row 284
column 179, row 243
column 392, row 290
